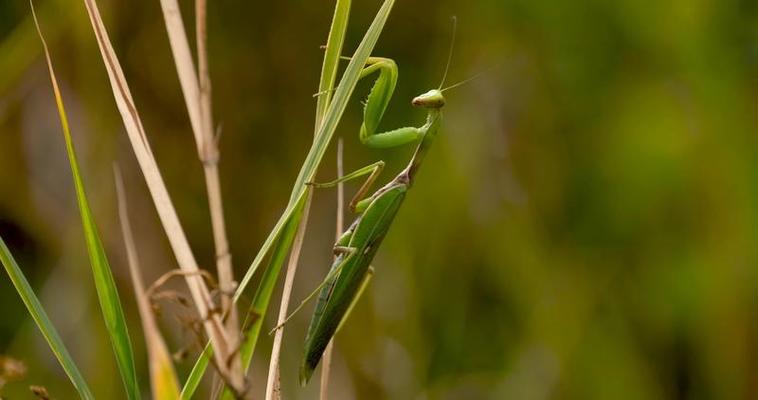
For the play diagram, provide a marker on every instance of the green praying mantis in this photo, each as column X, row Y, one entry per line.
column 355, row 249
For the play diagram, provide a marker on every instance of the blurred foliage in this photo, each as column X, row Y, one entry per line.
column 585, row 227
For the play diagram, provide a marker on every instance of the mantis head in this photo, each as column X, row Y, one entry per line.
column 430, row 99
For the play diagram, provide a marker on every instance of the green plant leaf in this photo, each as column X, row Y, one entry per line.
column 324, row 136
column 44, row 324
column 254, row 318
column 335, row 108
column 110, row 304
column 334, row 44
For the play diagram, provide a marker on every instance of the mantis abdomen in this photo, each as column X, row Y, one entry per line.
column 363, row 241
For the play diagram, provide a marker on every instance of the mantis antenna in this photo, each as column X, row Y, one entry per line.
column 450, row 58
column 467, row 80
column 450, row 52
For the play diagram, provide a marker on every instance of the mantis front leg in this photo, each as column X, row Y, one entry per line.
column 376, row 104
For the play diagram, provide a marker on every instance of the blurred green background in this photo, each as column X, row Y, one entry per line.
column 585, row 227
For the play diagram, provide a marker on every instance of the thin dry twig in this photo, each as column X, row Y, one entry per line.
column 326, row 361
column 163, row 380
column 170, row 220
column 175, row 273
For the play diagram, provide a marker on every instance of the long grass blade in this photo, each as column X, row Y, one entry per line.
column 333, row 51
column 110, row 304
column 325, row 130
column 273, row 385
column 163, row 381
column 334, row 44
column 43, row 322
column 253, row 322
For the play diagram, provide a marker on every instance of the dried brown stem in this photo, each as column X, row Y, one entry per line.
column 210, row 156
column 326, row 361
column 170, row 220
column 163, row 379
column 273, row 390
column 197, row 95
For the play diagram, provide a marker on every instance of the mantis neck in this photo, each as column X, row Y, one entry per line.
column 433, row 120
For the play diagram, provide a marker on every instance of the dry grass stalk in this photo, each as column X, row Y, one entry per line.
column 197, row 96
column 210, row 158
column 273, row 389
column 326, row 360
column 163, row 380
column 176, row 236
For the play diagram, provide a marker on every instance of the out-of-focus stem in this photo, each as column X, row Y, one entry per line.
column 326, row 361
column 273, row 391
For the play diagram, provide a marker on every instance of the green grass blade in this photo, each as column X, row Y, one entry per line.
column 110, row 303
column 325, row 132
column 334, row 44
column 196, row 375
column 258, row 308
column 324, row 135
column 264, row 291
column 255, row 315
column 44, row 324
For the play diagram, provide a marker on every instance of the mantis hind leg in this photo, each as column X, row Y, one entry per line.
column 328, row 281
column 358, row 294
column 376, row 104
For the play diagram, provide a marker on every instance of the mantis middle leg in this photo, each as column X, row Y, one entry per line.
column 357, row 204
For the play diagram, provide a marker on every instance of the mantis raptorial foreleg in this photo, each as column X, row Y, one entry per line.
column 376, row 104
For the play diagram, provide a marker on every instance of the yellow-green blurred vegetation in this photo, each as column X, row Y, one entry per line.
column 585, row 227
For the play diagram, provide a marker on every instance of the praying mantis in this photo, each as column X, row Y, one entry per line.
column 355, row 249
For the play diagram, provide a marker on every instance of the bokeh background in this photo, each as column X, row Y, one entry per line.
column 584, row 228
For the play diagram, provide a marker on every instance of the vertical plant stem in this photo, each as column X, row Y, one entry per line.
column 209, row 155
column 329, row 69
column 326, row 361
column 197, row 96
column 273, row 390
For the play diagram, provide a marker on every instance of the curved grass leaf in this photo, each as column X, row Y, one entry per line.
column 334, row 44
column 257, row 312
column 291, row 217
column 254, row 319
column 325, row 132
column 44, row 324
column 110, row 303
